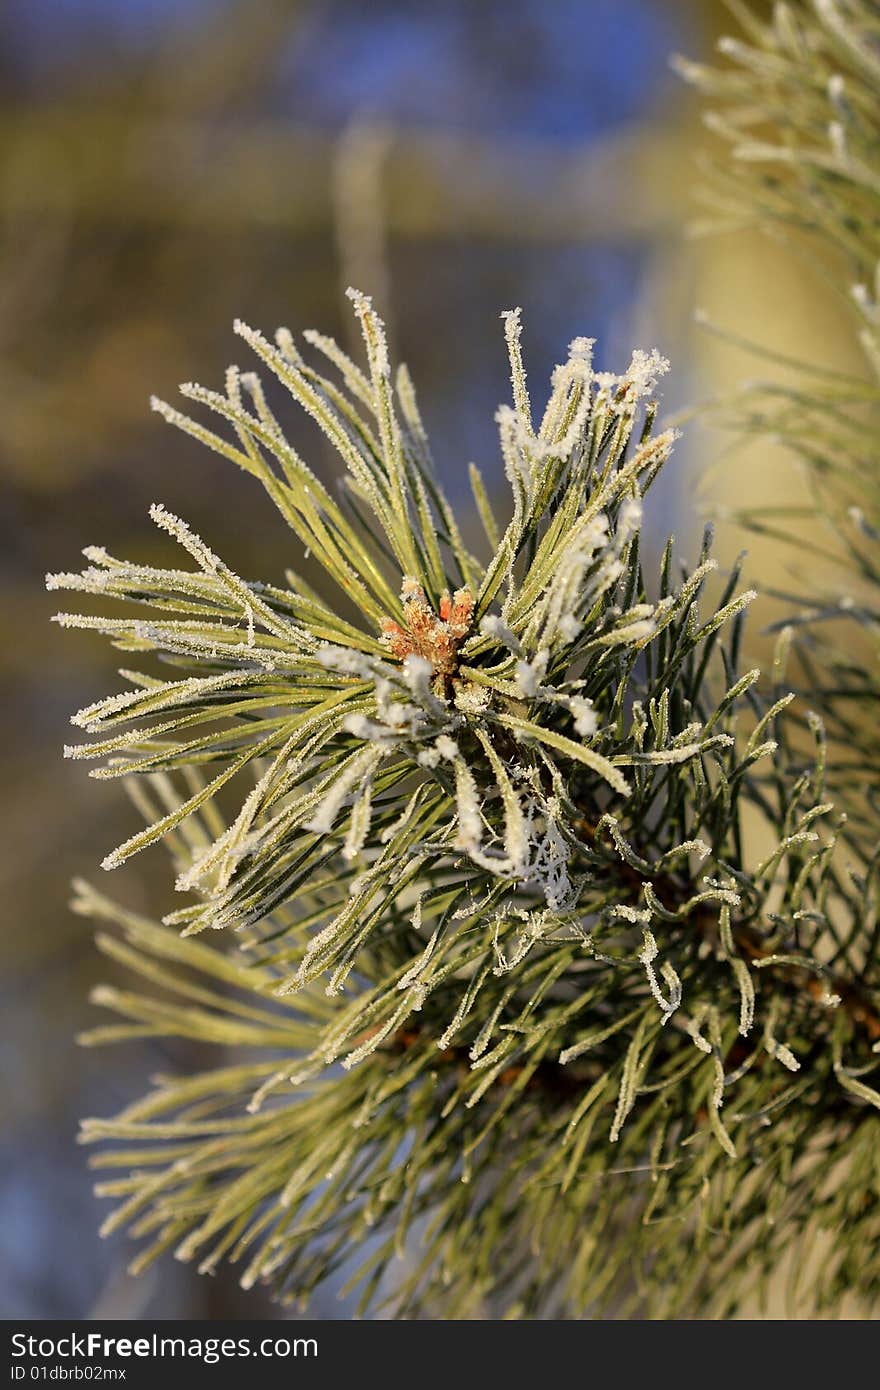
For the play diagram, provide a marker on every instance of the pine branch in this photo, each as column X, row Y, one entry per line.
column 511, row 1000
column 797, row 107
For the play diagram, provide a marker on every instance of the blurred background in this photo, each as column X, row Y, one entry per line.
column 166, row 165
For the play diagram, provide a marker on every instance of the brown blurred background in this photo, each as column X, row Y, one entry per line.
column 166, row 165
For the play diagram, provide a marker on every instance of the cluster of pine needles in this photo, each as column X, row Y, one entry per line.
column 509, row 1018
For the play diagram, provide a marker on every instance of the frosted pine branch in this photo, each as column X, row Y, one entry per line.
column 482, row 845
